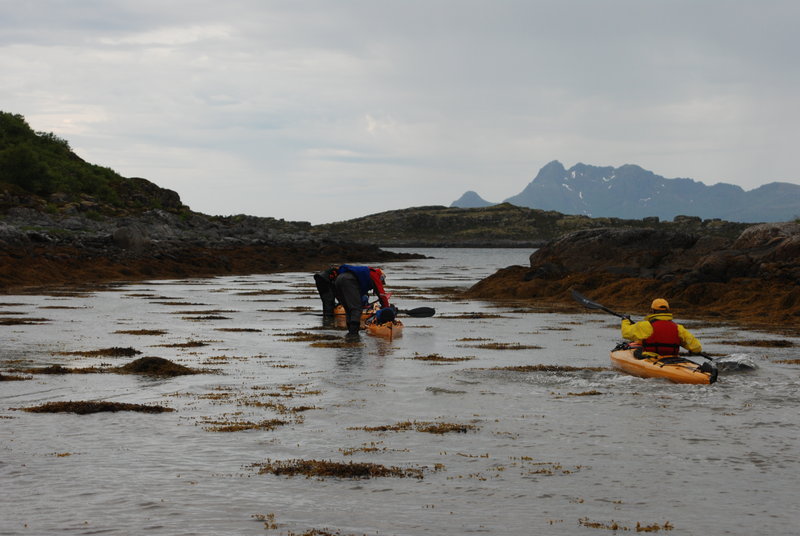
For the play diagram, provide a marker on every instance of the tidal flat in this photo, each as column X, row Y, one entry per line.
column 496, row 418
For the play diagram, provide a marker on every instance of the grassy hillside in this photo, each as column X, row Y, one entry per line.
column 39, row 170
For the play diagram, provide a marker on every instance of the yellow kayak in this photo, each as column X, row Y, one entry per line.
column 674, row 368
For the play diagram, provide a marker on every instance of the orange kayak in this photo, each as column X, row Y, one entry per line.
column 339, row 311
column 340, row 319
column 675, row 369
column 390, row 330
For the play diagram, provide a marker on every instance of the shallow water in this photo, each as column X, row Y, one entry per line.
column 551, row 452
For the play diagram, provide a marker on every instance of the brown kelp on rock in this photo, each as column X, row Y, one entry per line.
column 753, row 279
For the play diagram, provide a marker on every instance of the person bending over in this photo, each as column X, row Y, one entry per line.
column 349, row 284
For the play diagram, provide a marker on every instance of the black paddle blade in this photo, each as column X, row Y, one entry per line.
column 419, row 312
column 589, row 304
column 586, row 302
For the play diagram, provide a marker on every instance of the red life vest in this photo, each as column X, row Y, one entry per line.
column 665, row 339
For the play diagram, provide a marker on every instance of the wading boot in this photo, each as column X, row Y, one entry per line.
column 352, row 332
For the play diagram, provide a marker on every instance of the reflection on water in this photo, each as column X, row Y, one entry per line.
column 540, row 452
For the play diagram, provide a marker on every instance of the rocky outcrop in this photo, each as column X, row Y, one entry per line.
column 755, row 277
column 626, row 252
column 766, row 251
column 73, row 246
column 502, row 225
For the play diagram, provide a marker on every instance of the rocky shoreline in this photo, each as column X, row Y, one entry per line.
column 76, row 246
column 753, row 279
column 702, row 266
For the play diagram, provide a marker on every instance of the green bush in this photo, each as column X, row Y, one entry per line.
column 20, row 165
column 42, row 163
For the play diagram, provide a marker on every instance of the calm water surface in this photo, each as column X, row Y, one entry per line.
column 570, row 452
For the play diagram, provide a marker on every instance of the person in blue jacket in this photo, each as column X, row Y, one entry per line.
column 350, row 283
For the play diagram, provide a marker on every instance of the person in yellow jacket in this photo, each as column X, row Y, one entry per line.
column 658, row 334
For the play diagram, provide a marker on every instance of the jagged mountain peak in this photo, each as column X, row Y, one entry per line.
column 630, row 191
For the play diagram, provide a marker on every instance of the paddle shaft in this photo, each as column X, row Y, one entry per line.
column 703, row 354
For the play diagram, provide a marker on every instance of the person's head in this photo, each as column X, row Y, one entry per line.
column 380, row 274
column 659, row 305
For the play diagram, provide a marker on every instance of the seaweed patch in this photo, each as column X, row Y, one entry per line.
column 239, row 426
column 420, row 426
column 615, row 526
column 267, row 519
column 114, row 351
column 436, row 358
column 331, row 469
column 200, row 312
column 471, row 316
column 187, row 344
column 58, row 369
column 177, row 303
column 266, row 292
column 149, row 332
column 502, row 346
column 94, row 406
column 22, row 321
column 13, row 378
column 305, row 336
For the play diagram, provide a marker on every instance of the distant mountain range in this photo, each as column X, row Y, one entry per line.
column 632, row 192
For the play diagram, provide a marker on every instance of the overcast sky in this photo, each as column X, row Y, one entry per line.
column 329, row 110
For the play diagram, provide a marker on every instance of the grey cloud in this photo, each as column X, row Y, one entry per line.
column 426, row 98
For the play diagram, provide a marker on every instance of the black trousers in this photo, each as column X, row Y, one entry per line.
column 348, row 292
